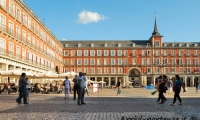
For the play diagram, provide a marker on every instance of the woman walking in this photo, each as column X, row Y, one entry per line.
column 67, row 86
column 178, row 83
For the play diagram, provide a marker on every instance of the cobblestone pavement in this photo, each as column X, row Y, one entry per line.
column 133, row 103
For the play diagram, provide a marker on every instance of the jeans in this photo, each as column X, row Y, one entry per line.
column 86, row 90
column 176, row 95
column 81, row 94
column 119, row 90
column 75, row 91
column 22, row 90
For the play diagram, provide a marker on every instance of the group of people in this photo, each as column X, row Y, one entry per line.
column 24, row 86
column 164, row 84
column 80, row 87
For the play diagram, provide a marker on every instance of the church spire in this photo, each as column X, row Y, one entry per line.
column 155, row 31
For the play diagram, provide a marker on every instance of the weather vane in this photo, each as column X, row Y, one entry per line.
column 155, row 14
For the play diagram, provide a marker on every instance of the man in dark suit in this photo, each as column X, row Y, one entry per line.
column 76, row 87
column 197, row 85
column 81, row 91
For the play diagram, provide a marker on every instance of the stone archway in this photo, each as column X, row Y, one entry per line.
column 134, row 76
column 195, row 80
column 188, row 82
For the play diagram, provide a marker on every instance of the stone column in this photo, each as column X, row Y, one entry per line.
column 192, row 81
column 109, row 81
column 116, row 80
column 154, row 80
column 95, row 79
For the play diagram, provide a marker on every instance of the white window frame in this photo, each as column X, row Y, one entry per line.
column 79, row 61
column 2, row 21
column 120, row 70
column 119, row 52
column 119, row 61
column 112, row 61
column 92, row 53
column 112, row 52
column 92, row 61
column 79, row 53
column 106, row 61
column 85, row 52
column 66, row 53
column 85, row 61
column 105, row 51
column 72, row 53
column 99, row 52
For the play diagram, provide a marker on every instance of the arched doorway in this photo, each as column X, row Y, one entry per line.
column 188, row 82
column 195, row 80
column 134, row 76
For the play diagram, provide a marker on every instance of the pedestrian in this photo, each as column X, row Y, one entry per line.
column 178, row 83
column 22, row 89
column 81, row 92
column 27, row 88
column 169, row 87
column 197, row 86
column 76, row 87
column 86, row 84
column 6, row 83
column 119, row 87
column 162, row 89
column 67, row 85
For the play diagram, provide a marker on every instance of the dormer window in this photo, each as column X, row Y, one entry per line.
column 187, row 45
column 195, row 45
column 165, row 45
column 92, row 45
column 133, row 44
column 172, row 44
column 180, row 45
column 105, row 45
column 79, row 45
column 119, row 45
column 66, row 45
column 148, row 44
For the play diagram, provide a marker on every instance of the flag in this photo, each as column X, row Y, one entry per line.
column 154, row 92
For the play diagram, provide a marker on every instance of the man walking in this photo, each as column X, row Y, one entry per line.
column 197, row 85
column 76, row 87
column 86, row 84
column 22, row 89
column 81, row 92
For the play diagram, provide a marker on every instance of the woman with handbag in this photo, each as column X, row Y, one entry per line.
column 178, row 83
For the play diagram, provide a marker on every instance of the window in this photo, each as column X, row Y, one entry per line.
column 143, row 53
column 187, row 45
column 2, row 22
column 165, row 61
column 92, row 61
column 79, row 62
column 72, row 62
column 125, row 53
column 180, row 52
column 148, row 70
column 85, row 52
column 173, row 70
column 85, row 61
column 196, row 52
column 10, row 49
column 157, row 61
column 166, row 70
column 188, row 70
column 24, row 54
column 79, row 70
column 91, row 52
column 24, row 35
column 105, row 45
column 65, row 70
column 18, row 51
column 173, row 52
column 106, row 61
column 3, row 3
column 134, row 61
column 188, row 60
column 125, row 61
column 112, row 53
column 173, row 61
column 119, row 61
column 92, row 71
column 180, row 70
column 85, row 70
column 157, row 70
column 119, row 45
column 98, row 52
column 112, row 61
column 188, row 53
column 12, row 9
column 66, row 61
column 196, row 61
column 180, row 61
column 134, row 52
column 120, row 70
column 149, row 61
column 11, row 28
column 133, row 45
column 148, row 52
column 72, row 53
column 66, row 53
column 29, row 39
column 18, row 33
column 105, row 52
column 119, row 52
column 180, row 45
column 157, row 52
column 29, row 23
column 92, row 45
column 99, row 62
column 24, row 19
column 79, row 45
column 157, row 44
column 112, row 70
column 106, row 70
column 99, row 70
column 79, row 53
column 2, row 45
column 143, row 61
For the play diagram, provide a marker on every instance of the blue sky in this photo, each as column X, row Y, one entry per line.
column 177, row 20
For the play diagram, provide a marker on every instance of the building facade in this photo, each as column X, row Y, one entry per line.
column 25, row 42
column 141, row 61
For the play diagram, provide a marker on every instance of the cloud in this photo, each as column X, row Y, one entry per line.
column 86, row 17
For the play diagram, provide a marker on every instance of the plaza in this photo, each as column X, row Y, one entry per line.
column 133, row 103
